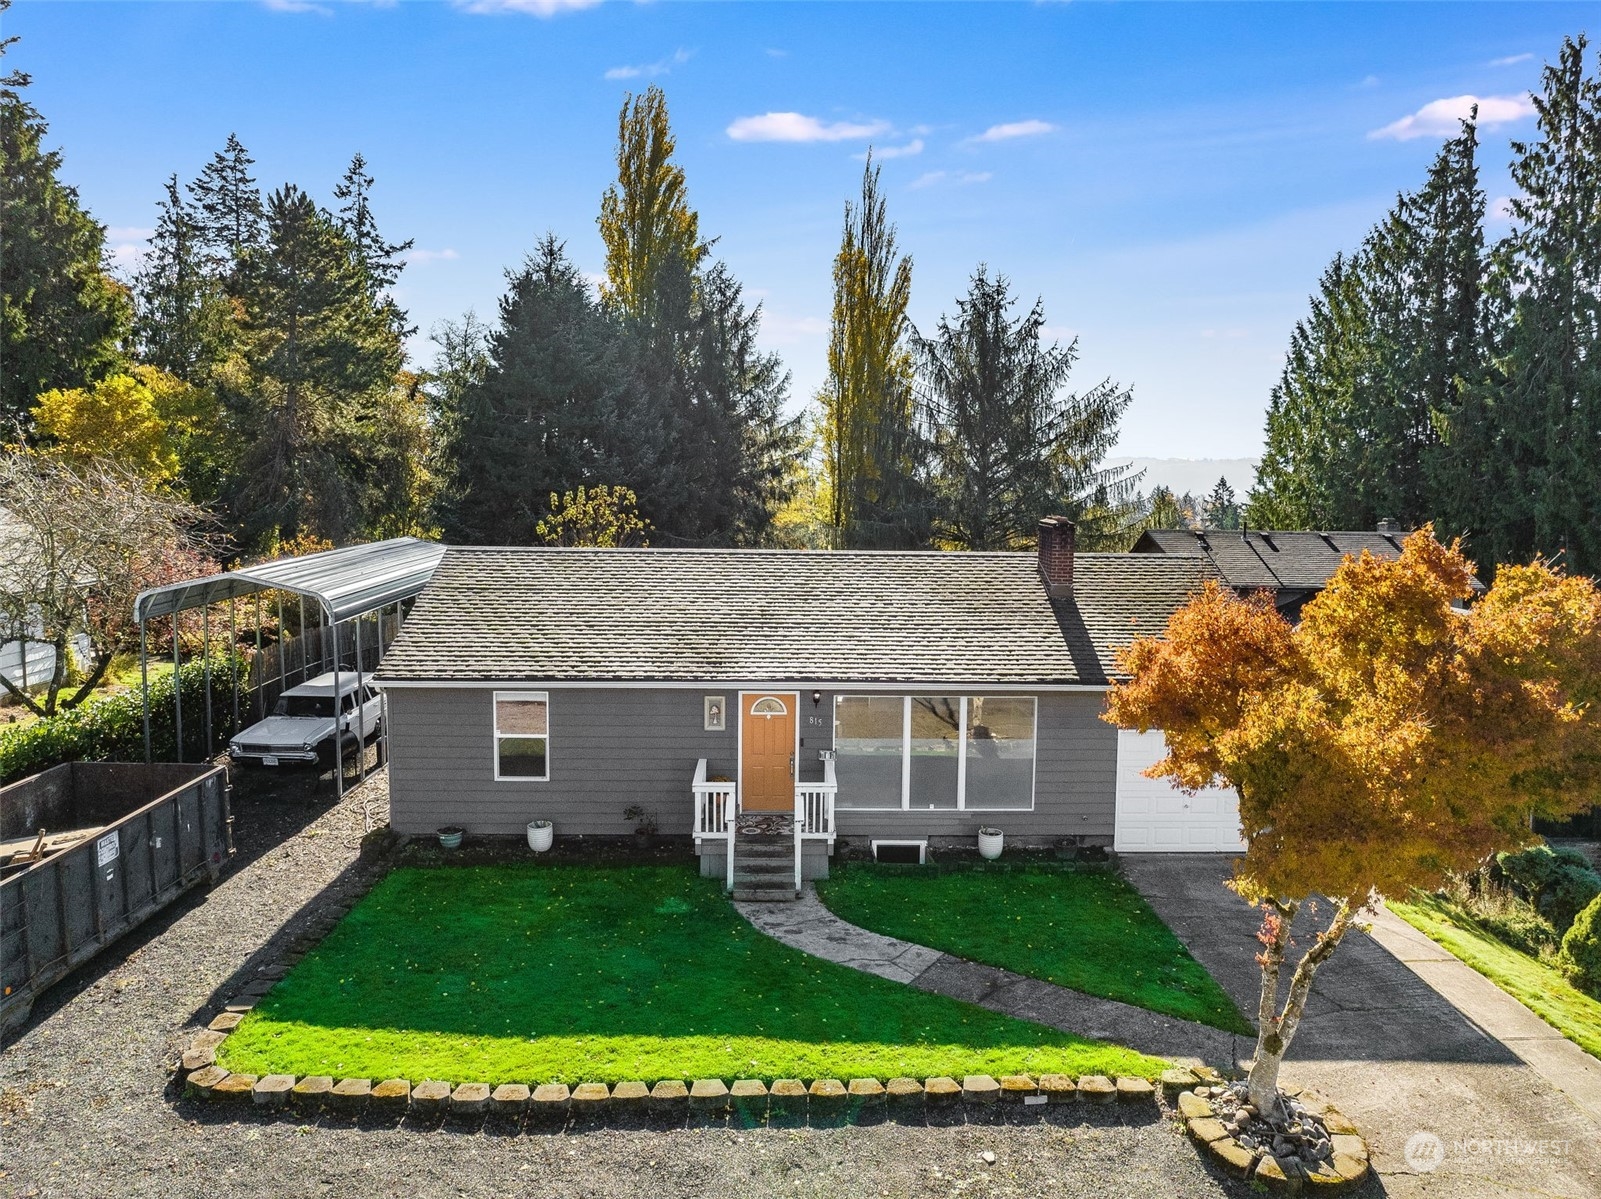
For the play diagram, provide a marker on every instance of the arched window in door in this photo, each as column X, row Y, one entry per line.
column 768, row 706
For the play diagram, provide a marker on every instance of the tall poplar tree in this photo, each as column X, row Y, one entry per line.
column 62, row 316
column 1008, row 444
column 645, row 219
column 874, row 453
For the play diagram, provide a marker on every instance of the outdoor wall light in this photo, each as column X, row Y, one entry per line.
column 817, row 699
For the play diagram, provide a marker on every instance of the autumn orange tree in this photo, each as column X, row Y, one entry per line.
column 1389, row 738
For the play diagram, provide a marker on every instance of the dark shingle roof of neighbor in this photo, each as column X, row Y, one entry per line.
column 537, row 614
column 1282, row 560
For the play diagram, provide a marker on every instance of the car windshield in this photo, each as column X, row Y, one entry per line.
column 305, row 705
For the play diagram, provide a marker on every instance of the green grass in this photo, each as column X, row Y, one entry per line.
column 581, row 974
column 1088, row 930
column 1538, row 987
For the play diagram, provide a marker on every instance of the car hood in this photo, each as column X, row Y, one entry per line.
column 288, row 731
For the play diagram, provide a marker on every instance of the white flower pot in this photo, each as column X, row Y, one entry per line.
column 541, row 834
column 990, row 841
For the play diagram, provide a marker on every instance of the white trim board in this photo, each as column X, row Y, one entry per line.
column 919, row 686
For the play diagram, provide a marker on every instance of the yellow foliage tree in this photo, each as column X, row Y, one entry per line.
column 645, row 218
column 600, row 516
column 1388, row 739
column 139, row 419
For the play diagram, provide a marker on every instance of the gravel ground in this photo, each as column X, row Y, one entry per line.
column 87, row 1106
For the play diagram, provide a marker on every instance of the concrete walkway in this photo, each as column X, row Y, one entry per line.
column 810, row 927
column 1551, row 1055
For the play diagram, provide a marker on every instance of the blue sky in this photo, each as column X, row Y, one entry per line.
column 1170, row 179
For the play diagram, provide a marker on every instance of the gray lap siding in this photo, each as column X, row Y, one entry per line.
column 614, row 747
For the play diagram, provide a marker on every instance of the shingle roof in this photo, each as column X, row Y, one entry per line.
column 1283, row 560
column 530, row 614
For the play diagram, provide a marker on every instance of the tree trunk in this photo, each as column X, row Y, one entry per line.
column 1277, row 1029
column 1277, row 917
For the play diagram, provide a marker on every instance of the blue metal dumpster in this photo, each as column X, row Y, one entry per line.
column 152, row 831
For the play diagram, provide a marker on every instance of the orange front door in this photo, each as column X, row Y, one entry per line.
column 767, row 753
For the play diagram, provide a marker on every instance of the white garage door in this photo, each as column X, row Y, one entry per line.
column 1153, row 816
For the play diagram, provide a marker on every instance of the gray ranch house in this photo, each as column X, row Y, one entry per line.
column 800, row 696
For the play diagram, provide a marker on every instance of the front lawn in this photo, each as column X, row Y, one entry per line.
column 1088, row 930
column 1538, row 987
column 574, row 974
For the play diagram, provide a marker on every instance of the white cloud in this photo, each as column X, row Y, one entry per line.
column 1063, row 333
column 128, row 256
column 1014, row 129
column 1500, row 209
column 1369, row 81
column 960, row 178
column 915, row 146
column 128, row 233
column 777, row 53
column 662, row 66
column 298, row 6
column 535, row 8
column 1511, row 60
column 778, row 329
column 424, row 257
column 1441, row 118
column 796, row 127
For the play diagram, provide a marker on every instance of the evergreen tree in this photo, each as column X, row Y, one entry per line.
column 1008, row 446
column 317, row 349
column 1307, row 454
column 555, row 409
column 229, row 213
column 1545, row 391
column 733, row 428
column 875, row 454
column 1374, row 375
column 382, row 260
column 1163, row 510
column 62, row 316
column 461, row 364
column 183, row 321
column 1221, row 510
column 645, row 219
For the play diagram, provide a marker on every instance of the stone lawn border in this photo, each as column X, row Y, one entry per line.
column 1348, row 1169
column 669, row 1101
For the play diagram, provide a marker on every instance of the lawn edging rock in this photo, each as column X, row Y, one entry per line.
column 1214, row 1130
column 669, row 1101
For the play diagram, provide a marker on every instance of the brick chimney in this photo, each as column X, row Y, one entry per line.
column 1056, row 556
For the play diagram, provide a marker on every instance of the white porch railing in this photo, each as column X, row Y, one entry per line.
column 814, row 813
column 716, row 809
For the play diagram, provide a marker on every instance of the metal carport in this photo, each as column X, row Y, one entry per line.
column 344, row 585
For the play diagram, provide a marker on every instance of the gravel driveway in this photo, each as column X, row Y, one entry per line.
column 86, row 1109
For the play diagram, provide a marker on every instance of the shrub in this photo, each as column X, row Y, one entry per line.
column 1580, row 957
column 111, row 729
column 1559, row 882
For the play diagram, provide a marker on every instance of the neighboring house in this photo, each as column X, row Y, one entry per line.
column 880, row 696
column 1294, row 564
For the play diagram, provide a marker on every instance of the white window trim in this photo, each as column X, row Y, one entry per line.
column 961, row 754
column 498, row 736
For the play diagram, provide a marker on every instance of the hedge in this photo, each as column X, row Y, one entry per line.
column 111, row 729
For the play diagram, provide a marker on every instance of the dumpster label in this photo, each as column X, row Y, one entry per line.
column 106, row 849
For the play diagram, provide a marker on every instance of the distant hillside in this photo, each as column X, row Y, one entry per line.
column 1196, row 475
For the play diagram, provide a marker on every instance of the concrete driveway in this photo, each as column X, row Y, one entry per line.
column 1392, row 1053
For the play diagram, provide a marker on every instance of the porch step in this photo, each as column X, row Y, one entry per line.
column 776, row 868
column 785, row 894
